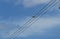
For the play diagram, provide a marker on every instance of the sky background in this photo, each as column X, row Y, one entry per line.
column 14, row 13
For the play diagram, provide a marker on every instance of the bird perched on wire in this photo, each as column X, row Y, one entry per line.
column 33, row 16
column 59, row 7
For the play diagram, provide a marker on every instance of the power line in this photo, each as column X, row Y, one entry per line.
column 32, row 20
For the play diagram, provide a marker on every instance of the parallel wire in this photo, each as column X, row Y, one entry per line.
column 33, row 21
column 30, row 24
column 31, row 18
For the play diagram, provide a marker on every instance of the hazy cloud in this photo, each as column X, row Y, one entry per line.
column 30, row 3
column 40, row 26
column 27, row 3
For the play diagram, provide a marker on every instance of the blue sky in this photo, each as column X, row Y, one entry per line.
column 14, row 13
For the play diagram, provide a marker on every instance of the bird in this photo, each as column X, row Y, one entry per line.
column 33, row 16
column 59, row 7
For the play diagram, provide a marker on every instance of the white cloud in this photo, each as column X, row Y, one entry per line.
column 40, row 26
column 27, row 3
column 30, row 3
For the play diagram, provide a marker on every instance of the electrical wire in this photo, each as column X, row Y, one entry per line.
column 30, row 22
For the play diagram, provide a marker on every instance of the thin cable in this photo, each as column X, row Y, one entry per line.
column 26, row 27
column 42, row 14
column 31, row 18
column 32, row 23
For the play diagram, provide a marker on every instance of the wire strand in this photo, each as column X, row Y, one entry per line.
column 30, row 22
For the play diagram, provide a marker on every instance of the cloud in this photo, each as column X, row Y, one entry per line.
column 26, row 3
column 30, row 3
column 5, row 28
column 40, row 26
